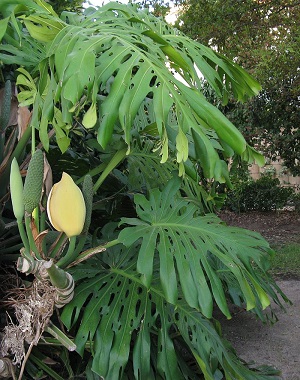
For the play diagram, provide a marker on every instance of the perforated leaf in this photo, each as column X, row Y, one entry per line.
column 169, row 228
column 103, row 73
column 43, row 27
column 117, row 307
column 118, row 312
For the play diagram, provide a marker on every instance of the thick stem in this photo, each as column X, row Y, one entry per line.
column 80, row 245
column 32, row 141
column 43, row 228
column 92, row 173
column 43, row 221
column 26, row 251
column 29, row 266
column 30, row 236
column 58, row 277
column 114, row 162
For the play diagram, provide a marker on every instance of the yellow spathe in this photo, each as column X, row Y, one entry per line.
column 66, row 207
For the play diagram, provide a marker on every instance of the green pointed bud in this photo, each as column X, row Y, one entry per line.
column 90, row 117
column 16, row 190
column 182, row 146
column 34, row 181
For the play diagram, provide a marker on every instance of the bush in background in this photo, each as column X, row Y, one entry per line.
column 264, row 194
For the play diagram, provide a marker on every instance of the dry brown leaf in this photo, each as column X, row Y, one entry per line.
column 48, row 180
column 24, row 117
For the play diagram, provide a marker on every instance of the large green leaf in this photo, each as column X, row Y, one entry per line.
column 27, row 52
column 3, row 26
column 169, row 228
column 100, row 70
column 42, row 27
column 113, row 311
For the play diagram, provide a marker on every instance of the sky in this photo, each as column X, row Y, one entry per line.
column 171, row 18
column 101, row 2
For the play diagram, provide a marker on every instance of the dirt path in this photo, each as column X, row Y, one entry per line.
column 277, row 345
column 277, row 227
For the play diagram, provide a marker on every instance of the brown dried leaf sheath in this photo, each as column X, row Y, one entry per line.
column 33, row 309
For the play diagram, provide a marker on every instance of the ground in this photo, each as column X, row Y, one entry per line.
column 277, row 227
column 279, row 344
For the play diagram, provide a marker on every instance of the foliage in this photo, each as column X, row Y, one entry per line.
column 296, row 201
column 60, row 6
column 264, row 194
column 124, row 300
column 231, row 28
column 127, row 59
column 14, row 136
column 272, row 123
column 152, row 260
column 13, row 126
column 158, row 8
column 269, row 121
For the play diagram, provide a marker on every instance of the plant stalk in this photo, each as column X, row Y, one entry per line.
column 114, row 162
column 23, row 235
column 58, row 277
column 70, row 255
column 30, row 237
column 93, row 251
column 60, row 336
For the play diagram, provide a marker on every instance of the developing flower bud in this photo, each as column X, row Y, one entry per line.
column 16, row 190
column 65, row 207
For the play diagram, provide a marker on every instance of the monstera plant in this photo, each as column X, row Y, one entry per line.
column 115, row 93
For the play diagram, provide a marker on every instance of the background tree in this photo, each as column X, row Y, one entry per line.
column 66, row 5
column 263, row 37
column 159, row 8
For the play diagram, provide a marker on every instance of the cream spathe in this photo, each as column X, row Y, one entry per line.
column 66, row 207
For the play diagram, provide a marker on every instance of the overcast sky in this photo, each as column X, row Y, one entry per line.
column 170, row 18
column 101, row 2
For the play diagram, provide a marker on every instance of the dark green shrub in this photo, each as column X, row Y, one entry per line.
column 264, row 194
column 296, row 201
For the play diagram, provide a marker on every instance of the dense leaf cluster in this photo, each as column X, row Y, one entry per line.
column 117, row 94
